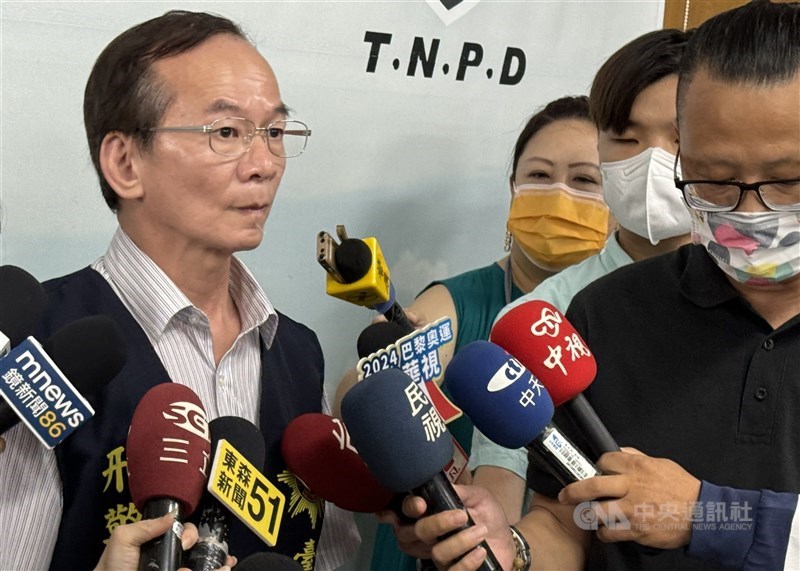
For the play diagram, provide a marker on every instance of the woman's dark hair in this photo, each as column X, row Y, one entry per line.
column 125, row 94
column 757, row 43
column 571, row 107
column 629, row 71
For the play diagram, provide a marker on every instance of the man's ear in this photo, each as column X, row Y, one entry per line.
column 120, row 163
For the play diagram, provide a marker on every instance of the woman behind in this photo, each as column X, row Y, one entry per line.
column 632, row 102
column 557, row 218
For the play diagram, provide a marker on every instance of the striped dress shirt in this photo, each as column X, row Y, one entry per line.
column 30, row 485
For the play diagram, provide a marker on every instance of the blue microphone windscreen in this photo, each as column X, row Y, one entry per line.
column 396, row 430
column 503, row 399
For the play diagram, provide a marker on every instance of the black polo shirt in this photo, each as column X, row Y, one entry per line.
column 688, row 371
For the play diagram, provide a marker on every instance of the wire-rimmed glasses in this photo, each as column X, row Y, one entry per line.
column 233, row 136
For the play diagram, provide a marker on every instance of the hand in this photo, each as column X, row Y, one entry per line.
column 122, row 551
column 422, row 539
column 654, row 495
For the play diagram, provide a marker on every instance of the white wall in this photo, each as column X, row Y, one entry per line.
column 420, row 163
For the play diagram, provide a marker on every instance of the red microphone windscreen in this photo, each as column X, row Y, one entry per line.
column 317, row 448
column 168, row 447
column 542, row 339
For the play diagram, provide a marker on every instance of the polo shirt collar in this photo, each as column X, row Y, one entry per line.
column 702, row 281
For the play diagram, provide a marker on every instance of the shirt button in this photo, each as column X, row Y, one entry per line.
column 221, row 379
column 768, row 344
column 761, row 394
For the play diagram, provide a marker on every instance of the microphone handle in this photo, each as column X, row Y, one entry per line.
column 440, row 496
column 162, row 553
column 594, row 431
column 211, row 549
column 561, row 457
column 396, row 314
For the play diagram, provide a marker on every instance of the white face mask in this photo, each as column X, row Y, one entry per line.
column 641, row 194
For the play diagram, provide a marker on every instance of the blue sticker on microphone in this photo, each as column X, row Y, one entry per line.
column 40, row 394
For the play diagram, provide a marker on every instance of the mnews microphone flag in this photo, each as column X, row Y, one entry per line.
column 43, row 384
column 542, row 339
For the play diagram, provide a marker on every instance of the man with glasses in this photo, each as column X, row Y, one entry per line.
column 698, row 351
column 190, row 137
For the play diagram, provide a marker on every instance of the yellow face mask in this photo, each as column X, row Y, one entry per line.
column 557, row 226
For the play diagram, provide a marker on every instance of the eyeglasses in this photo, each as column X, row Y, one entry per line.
column 233, row 136
column 782, row 195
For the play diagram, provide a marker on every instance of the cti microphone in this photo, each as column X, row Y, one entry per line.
column 168, row 458
column 404, row 442
column 508, row 404
column 542, row 339
column 317, row 448
column 366, row 280
column 87, row 352
column 22, row 301
column 268, row 562
column 211, row 549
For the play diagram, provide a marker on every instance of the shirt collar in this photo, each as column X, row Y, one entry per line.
column 154, row 299
column 702, row 282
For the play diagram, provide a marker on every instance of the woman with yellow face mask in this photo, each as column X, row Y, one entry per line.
column 557, row 218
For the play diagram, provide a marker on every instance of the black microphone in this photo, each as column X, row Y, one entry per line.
column 354, row 259
column 89, row 352
column 211, row 549
column 22, row 301
column 404, row 442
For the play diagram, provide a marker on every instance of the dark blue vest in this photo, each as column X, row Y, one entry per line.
column 96, row 497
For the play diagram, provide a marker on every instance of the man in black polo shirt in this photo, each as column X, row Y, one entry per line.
column 698, row 351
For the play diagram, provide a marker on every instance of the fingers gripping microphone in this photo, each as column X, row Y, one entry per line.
column 542, row 339
column 366, row 279
column 22, row 300
column 168, row 457
column 404, row 441
column 318, row 450
column 211, row 549
column 89, row 352
column 511, row 407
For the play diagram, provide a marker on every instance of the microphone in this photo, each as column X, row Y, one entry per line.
column 317, row 448
column 87, row 354
column 510, row 406
column 268, row 562
column 168, row 457
column 22, row 301
column 211, row 549
column 366, row 280
column 544, row 341
column 404, row 442
column 377, row 336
